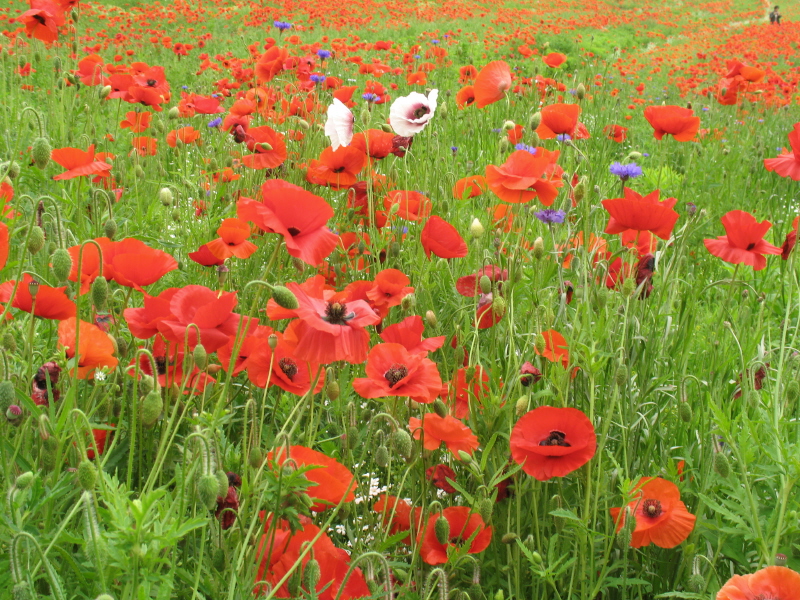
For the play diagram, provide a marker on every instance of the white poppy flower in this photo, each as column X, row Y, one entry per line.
column 410, row 114
column 339, row 126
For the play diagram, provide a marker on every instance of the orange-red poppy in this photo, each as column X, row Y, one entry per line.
column 145, row 146
column 43, row 20
column 468, row 384
column 95, row 347
column 136, row 121
column 618, row 133
column 408, row 333
column 525, row 176
column 338, row 168
column 79, row 163
column 641, row 213
column 463, row 525
column 442, row 239
column 465, row 96
column 677, row 121
column 661, row 518
column 788, row 163
column 435, row 431
column 333, row 482
column 552, row 442
column 397, row 515
column 232, row 240
column 411, row 206
column 558, row 119
column 268, row 146
column 50, row 303
column 554, row 59
column 282, row 368
column 186, row 135
column 743, row 241
column 555, row 349
column 492, row 83
column 394, row 371
column 469, row 187
column 769, row 582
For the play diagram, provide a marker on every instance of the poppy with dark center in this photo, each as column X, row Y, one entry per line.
column 756, row 379
column 44, row 384
column 529, row 375
column 389, row 289
column 790, row 241
column 43, row 20
column 465, row 527
column 555, row 349
column 744, row 241
column 337, row 169
column 769, row 583
column 298, row 215
column 676, row 121
column 661, row 518
column 392, row 371
column 552, row 442
column 280, row 367
column 232, row 241
column 492, row 83
column 618, row 133
column 435, row 431
column 465, row 97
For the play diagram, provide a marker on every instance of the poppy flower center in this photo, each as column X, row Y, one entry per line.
column 336, row 313
column 38, row 19
column 152, row 82
column 293, row 231
column 421, row 112
column 289, row 367
column 556, row 438
column 652, row 508
column 161, row 365
column 751, row 245
column 395, row 373
column 338, row 170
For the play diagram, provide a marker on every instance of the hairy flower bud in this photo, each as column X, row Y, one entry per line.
column 580, row 91
column 24, row 480
column 695, row 583
column 41, row 151
column 311, row 575
column 621, row 375
column 256, row 457
column 476, row 229
column 580, row 190
column 207, row 488
column 87, row 475
column 540, row 343
column 721, row 465
column 485, row 509
column 152, row 405
column 535, row 121
column 100, row 293
column 61, row 264
column 401, row 441
column 284, row 297
column 442, row 529
column 685, row 411
column 36, row 239
column 431, row 320
column 382, row 456
column 110, row 229
column 200, row 356
column 538, row 248
column 165, row 196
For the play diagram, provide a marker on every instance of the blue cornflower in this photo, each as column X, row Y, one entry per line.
column 282, row 25
column 454, row 149
column 417, row 57
column 323, row 54
column 184, row 87
column 215, row 122
column 370, row 97
column 625, row 172
column 563, row 137
column 316, row 78
column 550, row 216
column 521, row 146
column 434, row 41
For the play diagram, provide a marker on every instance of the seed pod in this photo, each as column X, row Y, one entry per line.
column 440, row 408
column 311, row 575
column 61, row 264
column 401, row 441
column 100, row 293
column 284, row 297
column 499, row 307
column 36, row 239
column 152, row 405
column 485, row 284
column 200, row 356
column 110, row 229
column 222, row 481
column 721, row 465
column 442, row 529
column 382, row 456
column 509, row 538
column 41, row 151
column 207, row 488
column 87, row 475
column 7, row 394
column 540, row 343
column 48, row 452
column 485, row 508
column 685, row 411
column 332, row 390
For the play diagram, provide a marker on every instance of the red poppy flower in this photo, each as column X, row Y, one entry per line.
column 334, row 482
column 186, row 135
column 641, row 213
column 442, row 239
column 525, row 176
column 555, row 349
column 228, row 506
column 558, row 119
column 469, row 285
column 100, row 437
column 397, row 514
column 451, row 432
column 464, row 525
column 43, row 386
column 618, row 133
column 661, row 518
column 51, row 303
column 169, row 362
column 394, row 371
column 438, row 475
column 552, row 442
column 492, row 83
column 375, row 143
column 203, row 256
column 769, row 582
column 790, row 241
column 469, row 187
column 282, row 368
column 529, row 374
column 408, row 333
column 328, row 330
column 43, row 20
column 787, row 164
column 467, row 73
column 411, row 206
column 676, row 121
column 744, row 240
column 469, row 383
column 95, row 348
column 465, row 97
column 145, row 146
column 299, row 216
column 79, row 163
column 269, row 148
column 338, row 168
column 232, row 240
column 554, row 59
column 136, row 121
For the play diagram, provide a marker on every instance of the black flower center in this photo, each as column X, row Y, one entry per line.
column 556, row 438
column 421, row 112
column 751, row 245
column 289, row 367
column 38, row 19
column 336, row 313
column 152, row 82
column 293, row 231
column 161, row 365
column 652, row 508
column 395, row 373
column 338, row 170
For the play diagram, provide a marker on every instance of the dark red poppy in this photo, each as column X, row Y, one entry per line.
column 228, row 506
column 744, row 240
column 790, row 241
column 529, row 375
column 43, row 387
column 438, row 475
column 463, row 525
column 552, row 442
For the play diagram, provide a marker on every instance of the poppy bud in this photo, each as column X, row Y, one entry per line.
column 100, row 293
column 298, row 264
column 174, row 113
column 537, row 558
column 256, row 457
column 332, row 390
column 57, row 65
column 629, row 287
column 24, row 480
column 535, row 121
column 22, row 591
column 311, row 575
column 538, row 248
column 152, row 405
column 365, row 116
column 222, row 481
column 499, row 306
column 61, row 264
column 476, row 229
column 48, row 452
column 87, row 475
column 207, row 488
column 485, row 508
column 9, row 342
column 10, row 169
column 601, row 298
column 792, row 390
column 382, row 456
column 385, row 127
column 580, row 92
column 408, row 302
column 442, row 112
column 721, row 465
column 7, row 394
column 431, row 320
column 521, row 406
column 218, row 560
column 284, row 297
column 13, row 412
column 509, row 538
column 621, row 376
column 540, row 343
column 200, row 356
column 485, row 284
column 401, row 441
column 508, row 125
column 74, row 15
column 580, row 190
column 222, row 274
column 41, row 152
column 110, row 229
column 394, row 249
column 464, row 456
column 504, row 145
column 695, row 583
column 36, row 239
column 625, row 533
column 440, row 408
column 634, row 156
column 685, row 411
column 442, row 529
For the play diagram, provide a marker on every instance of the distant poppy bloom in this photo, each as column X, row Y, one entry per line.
column 774, row 583
column 408, row 333
column 412, row 206
column 525, row 176
column 554, row 59
column 339, row 124
column 232, row 240
column 144, row 146
column 618, row 133
column 558, row 119
column 397, row 514
column 744, row 240
column 333, row 481
column 555, row 349
column 45, row 382
column 394, row 371
column 492, row 83
column 661, row 518
column 136, row 121
column 442, row 239
column 469, row 383
column 50, row 302
column 676, row 121
column 552, row 442
column 376, row 143
column 790, row 241
column 268, row 145
column 410, row 114
column 529, row 374
column 338, row 168
column 79, row 163
column 464, row 524
column 389, row 288
column 469, row 187
column 186, row 135
column 469, row 285
column 787, row 164
column 641, row 213
column 465, row 96
column 95, row 350
column 467, row 73
column 438, row 475
column 298, row 215
column 451, row 432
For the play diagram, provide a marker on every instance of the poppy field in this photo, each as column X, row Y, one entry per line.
column 413, row 301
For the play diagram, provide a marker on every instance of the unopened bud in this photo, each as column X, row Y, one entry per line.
column 499, row 307
column 521, row 406
column 535, row 121
column 87, row 475
column 629, row 287
column 61, row 263
column 695, row 583
column 401, row 441
column 24, row 480
column 408, row 302
column 256, row 457
column 200, row 356
column 442, row 529
column 311, row 575
column 332, row 390
column 793, row 390
column 721, row 465
column 152, row 405
column 509, row 538
column 35, row 239
column 476, row 229
column 504, row 145
column 284, row 297
column 485, row 284
column 580, row 92
column 365, row 116
column 382, row 456
column 485, row 509
column 621, row 375
column 431, row 320
column 174, row 113
column 165, row 196
column 10, row 169
column 508, row 125
column 41, row 151
column 634, row 156
column 540, row 343
column 100, row 293
column 110, row 229
column 207, row 488
column 685, row 411
column 538, row 248
column 440, row 408
column 580, row 190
